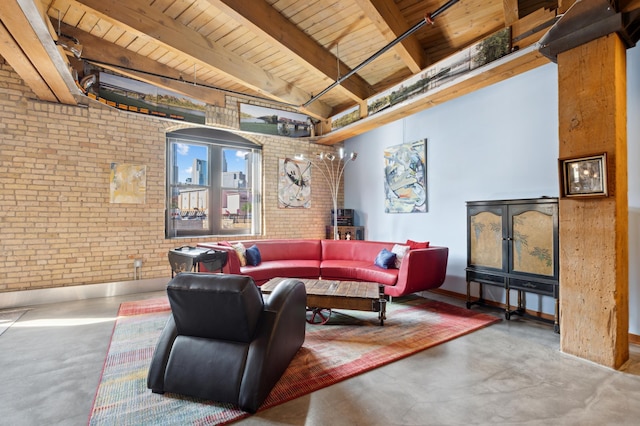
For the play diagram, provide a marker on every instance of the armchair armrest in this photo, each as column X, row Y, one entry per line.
column 281, row 331
column 155, row 378
column 283, row 292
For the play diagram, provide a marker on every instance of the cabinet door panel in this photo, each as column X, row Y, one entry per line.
column 485, row 239
column 532, row 242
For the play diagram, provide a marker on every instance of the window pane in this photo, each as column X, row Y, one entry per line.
column 236, row 211
column 189, row 201
column 235, row 199
column 194, row 209
column 190, row 164
column 234, row 168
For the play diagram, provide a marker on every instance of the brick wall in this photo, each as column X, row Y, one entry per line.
column 57, row 226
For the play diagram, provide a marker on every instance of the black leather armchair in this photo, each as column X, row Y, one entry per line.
column 223, row 342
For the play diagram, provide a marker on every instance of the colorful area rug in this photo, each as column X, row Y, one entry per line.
column 350, row 343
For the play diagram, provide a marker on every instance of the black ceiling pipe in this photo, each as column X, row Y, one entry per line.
column 427, row 19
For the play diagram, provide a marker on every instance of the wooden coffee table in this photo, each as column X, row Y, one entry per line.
column 324, row 295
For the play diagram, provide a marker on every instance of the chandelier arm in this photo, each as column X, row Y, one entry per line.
column 333, row 174
column 320, row 169
column 331, row 179
column 328, row 177
column 335, row 186
column 344, row 166
column 325, row 175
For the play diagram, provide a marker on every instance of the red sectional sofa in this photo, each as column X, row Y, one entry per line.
column 421, row 269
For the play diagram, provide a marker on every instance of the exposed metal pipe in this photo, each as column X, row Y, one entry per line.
column 103, row 64
column 428, row 19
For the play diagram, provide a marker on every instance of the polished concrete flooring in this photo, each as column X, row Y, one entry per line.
column 510, row 373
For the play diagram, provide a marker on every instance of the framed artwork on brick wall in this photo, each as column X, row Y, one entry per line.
column 271, row 121
column 127, row 183
column 294, row 183
column 136, row 96
column 405, row 178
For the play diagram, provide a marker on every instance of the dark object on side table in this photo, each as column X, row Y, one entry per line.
column 223, row 342
column 185, row 259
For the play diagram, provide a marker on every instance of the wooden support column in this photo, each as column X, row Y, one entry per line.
column 594, row 264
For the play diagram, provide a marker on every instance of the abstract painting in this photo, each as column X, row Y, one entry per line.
column 128, row 183
column 294, row 183
column 405, row 178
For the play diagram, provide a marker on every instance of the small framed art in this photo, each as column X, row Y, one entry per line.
column 584, row 176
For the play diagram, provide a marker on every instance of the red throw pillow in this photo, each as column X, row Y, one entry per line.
column 417, row 245
column 224, row 243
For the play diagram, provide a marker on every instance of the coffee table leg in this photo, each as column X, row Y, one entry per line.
column 318, row 315
column 382, row 315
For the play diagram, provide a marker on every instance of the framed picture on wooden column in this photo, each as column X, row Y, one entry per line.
column 584, row 176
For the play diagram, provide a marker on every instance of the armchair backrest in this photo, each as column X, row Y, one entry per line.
column 215, row 306
column 223, row 342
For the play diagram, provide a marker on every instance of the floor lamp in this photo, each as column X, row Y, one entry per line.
column 332, row 168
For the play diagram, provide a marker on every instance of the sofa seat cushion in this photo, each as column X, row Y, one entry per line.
column 345, row 270
column 282, row 268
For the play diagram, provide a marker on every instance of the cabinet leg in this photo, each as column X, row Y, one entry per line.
column 507, row 313
column 556, row 320
column 519, row 300
column 522, row 302
column 480, row 299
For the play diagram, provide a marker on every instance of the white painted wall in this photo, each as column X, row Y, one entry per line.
column 500, row 142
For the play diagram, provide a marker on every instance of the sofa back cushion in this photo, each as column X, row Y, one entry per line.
column 286, row 249
column 353, row 249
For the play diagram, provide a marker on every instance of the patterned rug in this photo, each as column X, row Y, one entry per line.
column 350, row 343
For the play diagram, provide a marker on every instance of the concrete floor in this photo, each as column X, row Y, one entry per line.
column 509, row 373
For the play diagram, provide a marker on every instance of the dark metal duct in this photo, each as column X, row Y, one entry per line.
column 428, row 19
column 586, row 21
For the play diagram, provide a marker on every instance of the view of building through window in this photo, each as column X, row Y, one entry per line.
column 211, row 188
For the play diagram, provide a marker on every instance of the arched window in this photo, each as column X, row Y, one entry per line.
column 213, row 184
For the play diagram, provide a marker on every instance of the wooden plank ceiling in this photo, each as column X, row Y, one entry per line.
column 283, row 51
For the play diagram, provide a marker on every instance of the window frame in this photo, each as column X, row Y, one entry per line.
column 216, row 142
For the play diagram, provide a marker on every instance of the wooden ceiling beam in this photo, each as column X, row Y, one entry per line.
column 389, row 20
column 122, row 61
column 139, row 18
column 15, row 57
column 23, row 20
column 264, row 20
column 629, row 5
column 511, row 11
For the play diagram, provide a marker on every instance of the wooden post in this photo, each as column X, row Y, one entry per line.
column 594, row 264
